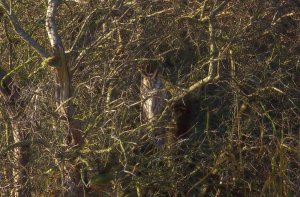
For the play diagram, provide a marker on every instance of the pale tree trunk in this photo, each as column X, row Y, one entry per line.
column 22, row 158
column 73, row 179
column 21, row 154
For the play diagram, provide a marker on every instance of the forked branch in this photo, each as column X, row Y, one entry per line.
column 20, row 31
column 213, row 71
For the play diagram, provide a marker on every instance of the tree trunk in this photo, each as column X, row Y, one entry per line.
column 73, row 180
column 21, row 155
column 73, row 129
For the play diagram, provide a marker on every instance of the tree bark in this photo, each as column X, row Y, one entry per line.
column 63, row 74
column 74, row 139
column 15, row 108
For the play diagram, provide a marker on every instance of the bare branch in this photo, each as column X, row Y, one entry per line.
column 22, row 144
column 83, row 29
column 219, row 8
column 213, row 63
column 21, row 32
column 213, row 73
column 51, row 27
column 78, row 1
column 84, row 52
column 203, row 8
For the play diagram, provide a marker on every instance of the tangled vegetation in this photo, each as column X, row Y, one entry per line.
column 150, row 98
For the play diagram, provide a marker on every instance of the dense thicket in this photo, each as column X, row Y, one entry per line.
column 223, row 98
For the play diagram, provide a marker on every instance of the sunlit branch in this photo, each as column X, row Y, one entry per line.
column 20, row 31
